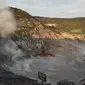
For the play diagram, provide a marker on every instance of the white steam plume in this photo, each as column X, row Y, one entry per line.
column 7, row 22
column 3, row 3
column 15, row 60
column 19, row 64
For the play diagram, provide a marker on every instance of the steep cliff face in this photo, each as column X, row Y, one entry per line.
column 65, row 28
column 27, row 24
column 29, row 33
column 63, row 35
column 47, row 27
column 39, row 38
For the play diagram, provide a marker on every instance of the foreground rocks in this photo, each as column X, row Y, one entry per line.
column 65, row 82
column 8, row 78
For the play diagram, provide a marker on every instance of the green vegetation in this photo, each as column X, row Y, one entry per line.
column 26, row 24
column 70, row 25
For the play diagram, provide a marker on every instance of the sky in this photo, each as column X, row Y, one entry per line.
column 51, row 8
column 3, row 3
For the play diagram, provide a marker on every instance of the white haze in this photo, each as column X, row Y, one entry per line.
column 20, row 64
column 7, row 22
column 3, row 3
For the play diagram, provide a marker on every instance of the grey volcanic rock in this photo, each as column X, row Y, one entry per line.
column 8, row 78
column 65, row 82
column 82, row 82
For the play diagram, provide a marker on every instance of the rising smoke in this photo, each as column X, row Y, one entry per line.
column 10, row 55
column 7, row 22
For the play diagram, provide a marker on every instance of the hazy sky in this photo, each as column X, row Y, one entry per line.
column 3, row 3
column 51, row 8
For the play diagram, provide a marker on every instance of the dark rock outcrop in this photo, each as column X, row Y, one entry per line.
column 8, row 78
column 65, row 82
